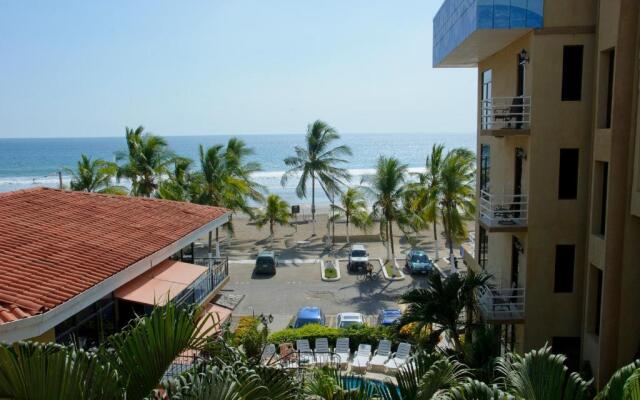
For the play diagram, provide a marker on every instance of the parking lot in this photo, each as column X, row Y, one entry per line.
column 298, row 284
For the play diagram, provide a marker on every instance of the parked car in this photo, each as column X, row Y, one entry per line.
column 358, row 258
column 309, row 315
column 389, row 317
column 418, row 262
column 266, row 263
column 347, row 319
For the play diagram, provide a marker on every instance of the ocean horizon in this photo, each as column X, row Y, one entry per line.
column 32, row 162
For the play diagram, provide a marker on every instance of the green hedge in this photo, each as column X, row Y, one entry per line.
column 356, row 334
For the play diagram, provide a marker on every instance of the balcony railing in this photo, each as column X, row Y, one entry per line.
column 503, row 211
column 500, row 113
column 501, row 305
column 207, row 282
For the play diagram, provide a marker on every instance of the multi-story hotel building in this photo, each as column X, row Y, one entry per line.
column 558, row 186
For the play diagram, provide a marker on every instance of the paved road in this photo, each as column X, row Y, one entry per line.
column 297, row 285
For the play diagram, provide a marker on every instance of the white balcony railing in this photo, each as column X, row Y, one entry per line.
column 501, row 305
column 504, row 210
column 505, row 113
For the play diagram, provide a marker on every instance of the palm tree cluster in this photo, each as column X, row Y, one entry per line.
column 133, row 365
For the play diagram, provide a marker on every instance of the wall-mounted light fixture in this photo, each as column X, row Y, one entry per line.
column 523, row 57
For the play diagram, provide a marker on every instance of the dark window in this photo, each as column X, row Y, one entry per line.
column 483, row 248
column 485, row 166
column 572, row 73
column 612, row 58
column 486, row 99
column 570, row 347
column 568, row 182
column 598, row 302
column 565, row 262
column 603, row 201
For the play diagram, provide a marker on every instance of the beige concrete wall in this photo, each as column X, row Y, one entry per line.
column 569, row 13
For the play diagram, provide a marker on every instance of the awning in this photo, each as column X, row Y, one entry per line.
column 219, row 315
column 161, row 283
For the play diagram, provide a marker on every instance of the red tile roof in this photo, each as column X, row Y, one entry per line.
column 55, row 244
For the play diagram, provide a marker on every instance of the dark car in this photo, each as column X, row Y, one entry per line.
column 418, row 262
column 309, row 315
column 266, row 263
column 389, row 317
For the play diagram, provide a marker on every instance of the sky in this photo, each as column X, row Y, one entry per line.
column 89, row 68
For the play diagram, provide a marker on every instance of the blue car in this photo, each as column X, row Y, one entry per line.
column 418, row 262
column 309, row 315
column 389, row 317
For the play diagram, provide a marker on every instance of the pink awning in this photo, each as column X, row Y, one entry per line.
column 161, row 283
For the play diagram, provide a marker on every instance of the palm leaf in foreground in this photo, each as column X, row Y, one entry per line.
column 37, row 371
column 541, row 375
column 154, row 342
column 623, row 383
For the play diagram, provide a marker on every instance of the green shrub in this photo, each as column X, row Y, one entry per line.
column 356, row 334
column 330, row 273
column 245, row 324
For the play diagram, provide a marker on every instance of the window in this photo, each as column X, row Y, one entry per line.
column 565, row 263
column 594, row 300
column 605, row 88
column 485, row 166
column 568, row 182
column 486, row 100
column 483, row 248
column 570, row 347
column 572, row 73
column 601, row 182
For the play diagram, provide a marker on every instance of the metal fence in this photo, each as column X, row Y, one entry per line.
column 506, row 113
column 207, row 282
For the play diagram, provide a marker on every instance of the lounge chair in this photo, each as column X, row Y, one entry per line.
column 361, row 358
column 269, row 354
column 399, row 358
column 381, row 355
column 343, row 351
column 288, row 356
column 305, row 354
column 322, row 351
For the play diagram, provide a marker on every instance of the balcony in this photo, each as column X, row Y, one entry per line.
column 505, row 116
column 501, row 306
column 503, row 213
column 468, row 31
column 208, row 282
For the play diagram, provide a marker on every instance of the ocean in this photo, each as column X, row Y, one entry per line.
column 28, row 163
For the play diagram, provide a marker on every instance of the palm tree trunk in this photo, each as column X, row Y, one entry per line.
column 313, row 202
column 393, row 250
column 347, row 228
column 435, row 237
column 469, row 322
column 271, row 231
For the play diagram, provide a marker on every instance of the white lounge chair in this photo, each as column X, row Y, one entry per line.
column 361, row 358
column 305, row 353
column 343, row 351
column 269, row 354
column 399, row 358
column 322, row 351
column 381, row 355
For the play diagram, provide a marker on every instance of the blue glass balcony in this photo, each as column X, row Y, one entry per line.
column 466, row 31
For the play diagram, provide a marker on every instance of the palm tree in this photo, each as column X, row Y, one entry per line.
column 427, row 191
column 317, row 161
column 457, row 203
column 147, row 159
column 94, row 176
column 387, row 187
column 178, row 185
column 276, row 211
column 442, row 303
column 624, row 384
column 540, row 375
column 353, row 207
column 130, row 365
